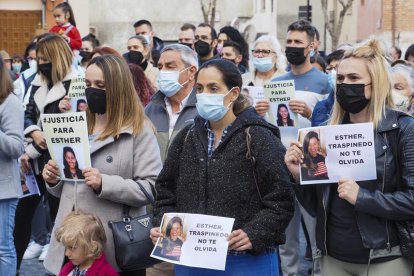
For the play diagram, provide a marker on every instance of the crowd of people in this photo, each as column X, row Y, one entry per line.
column 176, row 119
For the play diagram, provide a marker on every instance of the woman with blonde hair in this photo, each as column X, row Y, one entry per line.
column 357, row 221
column 48, row 88
column 124, row 154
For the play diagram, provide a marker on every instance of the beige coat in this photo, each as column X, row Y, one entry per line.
column 121, row 162
column 151, row 73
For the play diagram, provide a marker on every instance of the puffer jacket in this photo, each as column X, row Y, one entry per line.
column 224, row 184
column 378, row 202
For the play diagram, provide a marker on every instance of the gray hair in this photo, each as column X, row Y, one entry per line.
column 407, row 72
column 275, row 45
column 188, row 56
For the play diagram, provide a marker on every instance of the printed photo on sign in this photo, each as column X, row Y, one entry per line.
column 279, row 93
column 29, row 185
column 253, row 93
column 194, row 240
column 70, row 161
column 169, row 246
column 314, row 152
column 76, row 93
column 337, row 151
column 68, row 142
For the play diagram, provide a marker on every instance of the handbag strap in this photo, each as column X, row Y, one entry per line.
column 126, row 208
column 251, row 158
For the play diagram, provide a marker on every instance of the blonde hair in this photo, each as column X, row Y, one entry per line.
column 56, row 50
column 123, row 108
column 84, row 231
column 6, row 84
column 374, row 53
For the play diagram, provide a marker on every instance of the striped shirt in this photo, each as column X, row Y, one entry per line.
column 211, row 138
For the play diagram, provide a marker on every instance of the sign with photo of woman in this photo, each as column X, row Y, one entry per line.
column 76, row 94
column 279, row 93
column 336, row 151
column 67, row 140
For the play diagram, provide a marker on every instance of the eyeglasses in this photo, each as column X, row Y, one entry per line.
column 264, row 53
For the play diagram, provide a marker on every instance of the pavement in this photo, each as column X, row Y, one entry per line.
column 35, row 268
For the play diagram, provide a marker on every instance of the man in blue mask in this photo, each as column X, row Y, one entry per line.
column 173, row 106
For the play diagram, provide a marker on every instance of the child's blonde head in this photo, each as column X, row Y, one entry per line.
column 84, row 231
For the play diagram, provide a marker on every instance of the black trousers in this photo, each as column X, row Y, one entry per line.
column 24, row 214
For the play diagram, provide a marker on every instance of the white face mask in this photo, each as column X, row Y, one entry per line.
column 33, row 64
column 401, row 102
column 147, row 38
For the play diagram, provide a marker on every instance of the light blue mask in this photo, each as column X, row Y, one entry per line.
column 211, row 106
column 264, row 64
column 332, row 79
column 17, row 67
column 312, row 53
column 168, row 82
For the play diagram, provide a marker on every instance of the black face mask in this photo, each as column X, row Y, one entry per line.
column 135, row 57
column 295, row 56
column 202, row 48
column 96, row 99
column 189, row 45
column 46, row 70
column 351, row 97
column 84, row 55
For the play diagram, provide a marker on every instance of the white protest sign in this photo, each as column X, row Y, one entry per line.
column 76, row 93
column 279, row 93
column 254, row 92
column 67, row 141
column 29, row 185
column 194, row 240
column 332, row 152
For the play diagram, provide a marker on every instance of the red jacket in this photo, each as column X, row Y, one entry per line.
column 74, row 35
column 100, row 267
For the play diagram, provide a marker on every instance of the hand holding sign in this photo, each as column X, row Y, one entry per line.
column 262, row 107
column 155, row 233
column 300, row 107
column 51, row 172
column 348, row 190
column 64, row 104
column 39, row 138
column 239, row 241
column 294, row 157
column 93, row 178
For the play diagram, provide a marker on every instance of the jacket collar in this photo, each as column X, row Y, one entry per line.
column 159, row 97
column 96, row 145
column 389, row 120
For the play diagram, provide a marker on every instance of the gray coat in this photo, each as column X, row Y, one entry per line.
column 11, row 146
column 122, row 162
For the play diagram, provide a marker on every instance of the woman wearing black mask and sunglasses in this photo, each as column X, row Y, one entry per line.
column 357, row 221
column 50, row 85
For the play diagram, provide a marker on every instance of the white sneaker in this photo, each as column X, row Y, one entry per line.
column 42, row 256
column 33, row 251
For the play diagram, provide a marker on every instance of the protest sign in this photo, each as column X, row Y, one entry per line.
column 67, row 141
column 332, row 152
column 254, row 92
column 29, row 185
column 279, row 93
column 76, row 93
column 194, row 240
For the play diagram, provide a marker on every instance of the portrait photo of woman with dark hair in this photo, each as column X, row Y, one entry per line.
column 81, row 105
column 70, row 164
column 313, row 166
column 283, row 116
column 172, row 241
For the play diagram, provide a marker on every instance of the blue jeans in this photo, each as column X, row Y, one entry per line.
column 7, row 250
column 264, row 265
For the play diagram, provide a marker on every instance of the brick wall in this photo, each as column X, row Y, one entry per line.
column 404, row 15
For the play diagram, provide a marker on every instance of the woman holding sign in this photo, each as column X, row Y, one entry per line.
column 124, row 151
column 228, row 164
column 50, row 85
column 358, row 223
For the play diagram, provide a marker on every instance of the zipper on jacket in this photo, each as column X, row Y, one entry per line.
column 326, row 218
column 382, row 190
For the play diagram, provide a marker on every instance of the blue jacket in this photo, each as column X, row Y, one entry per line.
column 322, row 110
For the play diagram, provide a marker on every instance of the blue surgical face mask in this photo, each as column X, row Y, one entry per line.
column 312, row 53
column 211, row 106
column 332, row 78
column 168, row 82
column 264, row 64
column 17, row 67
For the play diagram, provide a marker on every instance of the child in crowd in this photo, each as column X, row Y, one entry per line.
column 66, row 25
column 84, row 237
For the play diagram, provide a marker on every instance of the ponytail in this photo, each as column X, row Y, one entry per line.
column 66, row 8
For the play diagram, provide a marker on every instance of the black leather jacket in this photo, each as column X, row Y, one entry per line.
column 378, row 203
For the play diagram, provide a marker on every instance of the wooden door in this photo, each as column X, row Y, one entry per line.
column 17, row 29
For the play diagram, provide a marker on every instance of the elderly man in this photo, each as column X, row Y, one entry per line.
column 173, row 106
